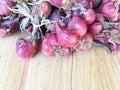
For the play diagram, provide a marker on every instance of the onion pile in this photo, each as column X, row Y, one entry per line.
column 61, row 27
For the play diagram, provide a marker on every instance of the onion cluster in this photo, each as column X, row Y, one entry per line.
column 61, row 27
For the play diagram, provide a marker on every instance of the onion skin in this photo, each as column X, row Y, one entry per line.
column 89, row 16
column 67, row 37
column 95, row 28
column 4, row 9
column 78, row 24
column 8, row 27
column 64, row 52
column 25, row 48
column 5, row 31
column 55, row 14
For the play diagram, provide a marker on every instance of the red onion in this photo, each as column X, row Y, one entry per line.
column 49, row 44
column 108, row 10
column 96, row 28
column 84, row 44
column 44, row 9
column 100, row 18
column 89, row 16
column 66, row 36
column 4, row 7
column 51, row 47
column 26, row 48
column 78, row 24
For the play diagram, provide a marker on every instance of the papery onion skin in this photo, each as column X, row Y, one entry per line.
column 25, row 48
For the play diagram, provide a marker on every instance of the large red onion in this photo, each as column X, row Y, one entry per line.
column 78, row 24
column 66, row 36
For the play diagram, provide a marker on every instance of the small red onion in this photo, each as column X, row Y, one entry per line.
column 49, row 44
column 26, row 48
column 84, row 44
column 95, row 28
column 108, row 10
column 89, row 16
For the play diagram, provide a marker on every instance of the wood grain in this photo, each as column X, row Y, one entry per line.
column 91, row 70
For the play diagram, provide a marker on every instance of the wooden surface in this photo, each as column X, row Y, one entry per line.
column 91, row 70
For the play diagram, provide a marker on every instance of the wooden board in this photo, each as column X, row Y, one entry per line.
column 91, row 70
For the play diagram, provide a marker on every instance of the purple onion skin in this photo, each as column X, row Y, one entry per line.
column 8, row 27
column 55, row 14
column 103, row 39
column 114, row 48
